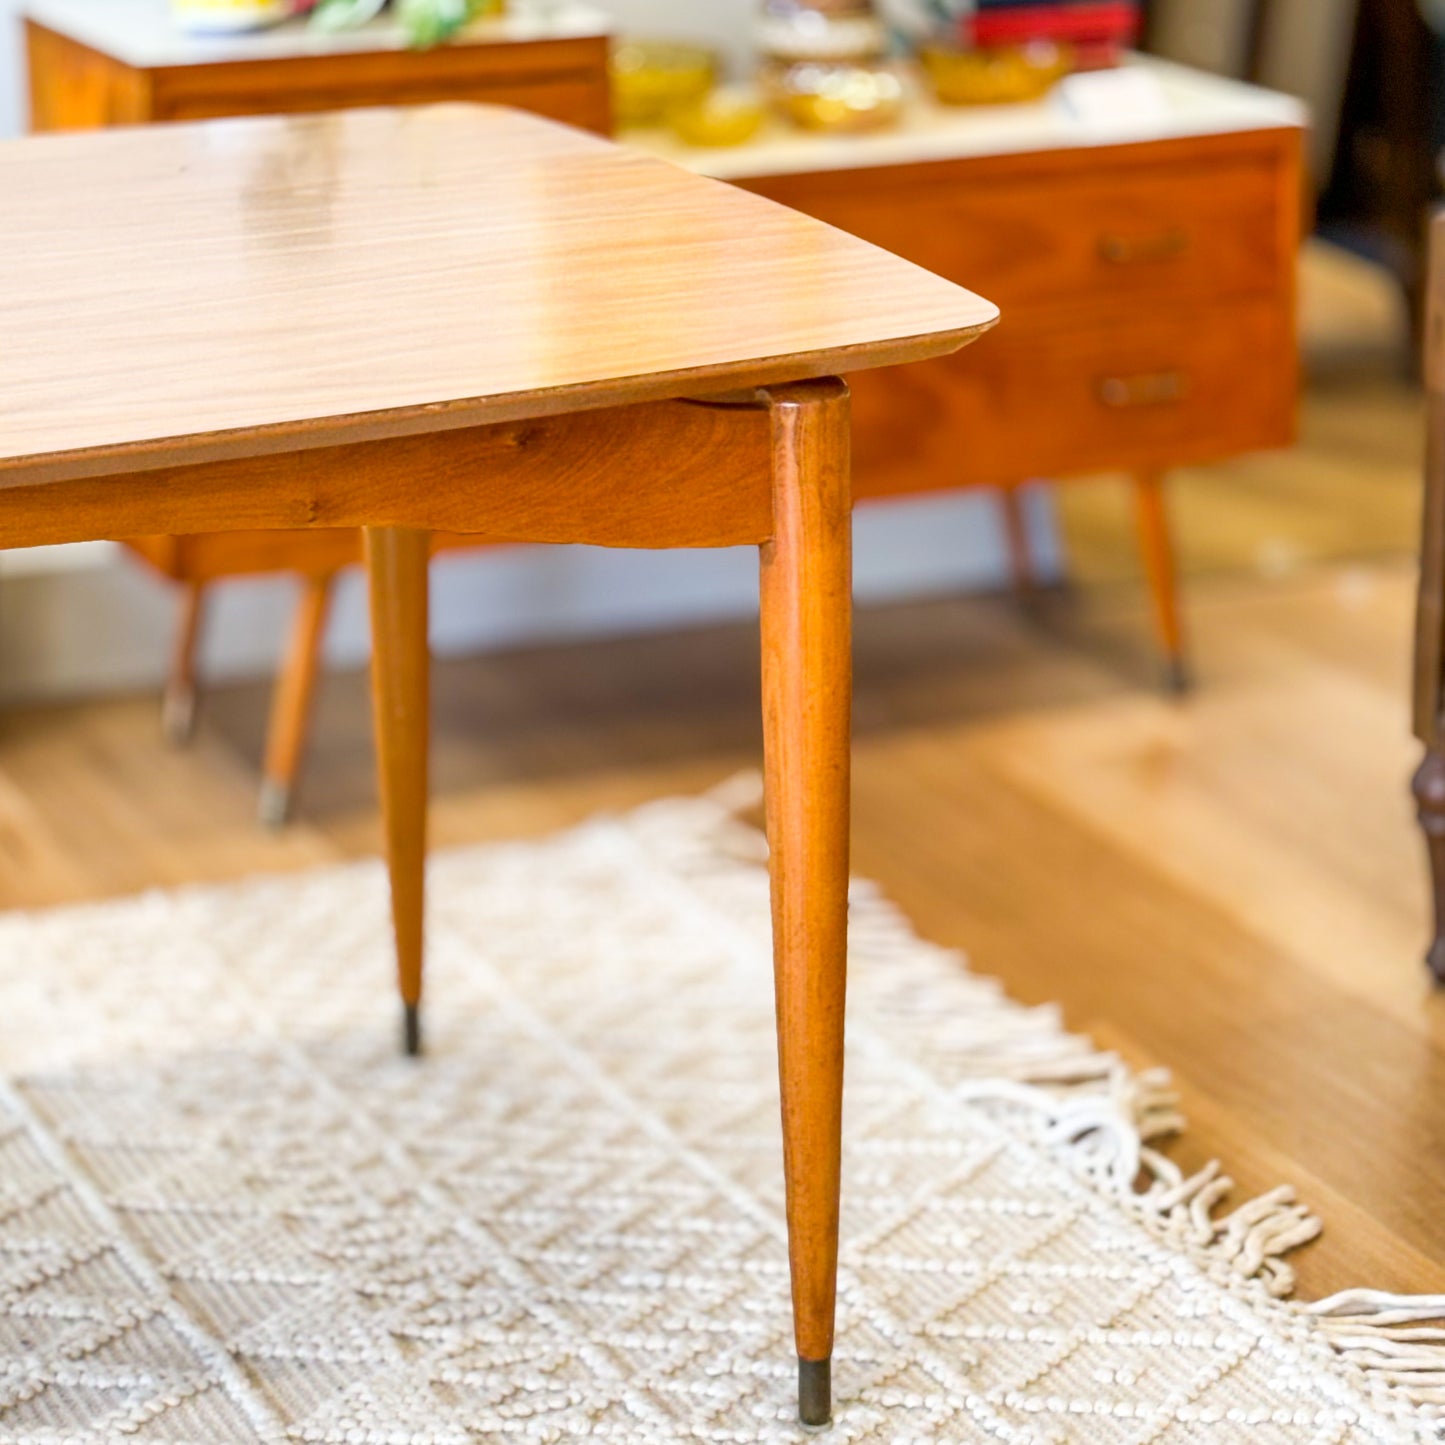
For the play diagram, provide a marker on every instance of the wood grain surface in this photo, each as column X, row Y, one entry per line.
column 1067, row 231
column 659, row 474
column 1150, row 301
column 187, row 292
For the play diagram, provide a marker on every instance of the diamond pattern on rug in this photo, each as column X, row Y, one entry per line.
column 229, row 1212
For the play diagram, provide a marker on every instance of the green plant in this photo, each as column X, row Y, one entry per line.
column 424, row 22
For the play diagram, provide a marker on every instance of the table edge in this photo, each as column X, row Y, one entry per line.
column 313, row 433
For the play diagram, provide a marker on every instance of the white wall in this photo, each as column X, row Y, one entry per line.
column 11, row 69
column 722, row 23
column 91, row 621
column 100, row 622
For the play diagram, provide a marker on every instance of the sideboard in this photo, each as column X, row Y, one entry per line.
column 1145, row 262
column 120, row 62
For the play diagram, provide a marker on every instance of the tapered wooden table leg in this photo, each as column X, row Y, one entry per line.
column 396, row 560
column 1157, row 547
column 291, row 701
column 807, row 687
column 178, row 705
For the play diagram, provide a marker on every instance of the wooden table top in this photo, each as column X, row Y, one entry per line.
column 181, row 293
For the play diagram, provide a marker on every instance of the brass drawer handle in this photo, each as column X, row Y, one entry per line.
column 1152, row 388
column 1131, row 250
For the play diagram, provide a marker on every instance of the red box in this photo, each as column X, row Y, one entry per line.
column 1114, row 21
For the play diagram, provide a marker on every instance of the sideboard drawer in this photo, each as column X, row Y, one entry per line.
column 73, row 87
column 579, row 102
column 1109, row 227
column 564, row 80
column 1184, row 385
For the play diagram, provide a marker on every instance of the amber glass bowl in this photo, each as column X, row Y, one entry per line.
column 836, row 97
column 653, row 78
column 994, row 77
column 728, row 116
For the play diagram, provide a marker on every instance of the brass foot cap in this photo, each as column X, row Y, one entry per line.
column 815, row 1393
column 411, row 1030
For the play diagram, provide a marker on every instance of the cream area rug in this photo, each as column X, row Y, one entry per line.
column 229, row 1212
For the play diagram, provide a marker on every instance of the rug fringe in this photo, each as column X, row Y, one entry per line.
column 1104, row 1136
column 1386, row 1336
column 1101, row 1117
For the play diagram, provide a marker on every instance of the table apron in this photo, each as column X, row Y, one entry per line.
column 652, row 475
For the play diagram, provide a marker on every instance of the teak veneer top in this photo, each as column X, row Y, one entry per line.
column 179, row 293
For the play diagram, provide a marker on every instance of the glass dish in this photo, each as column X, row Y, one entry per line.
column 653, row 78
column 1004, row 76
column 841, row 98
column 723, row 117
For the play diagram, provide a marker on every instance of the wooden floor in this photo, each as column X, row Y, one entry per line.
column 1230, row 885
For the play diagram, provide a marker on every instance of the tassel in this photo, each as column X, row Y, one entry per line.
column 1391, row 1339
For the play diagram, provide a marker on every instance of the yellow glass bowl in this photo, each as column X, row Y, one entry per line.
column 1003, row 76
column 652, row 78
column 721, row 118
column 838, row 98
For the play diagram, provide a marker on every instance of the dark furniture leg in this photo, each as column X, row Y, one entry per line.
column 1429, row 786
column 1429, row 681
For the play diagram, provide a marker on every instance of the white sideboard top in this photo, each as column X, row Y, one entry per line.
column 1184, row 103
column 141, row 33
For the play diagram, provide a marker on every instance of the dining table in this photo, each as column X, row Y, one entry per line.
column 466, row 319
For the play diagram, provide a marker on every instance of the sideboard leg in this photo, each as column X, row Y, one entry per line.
column 396, row 561
column 1020, row 550
column 291, row 701
column 1429, row 788
column 807, row 688
column 1157, row 547
column 178, row 705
